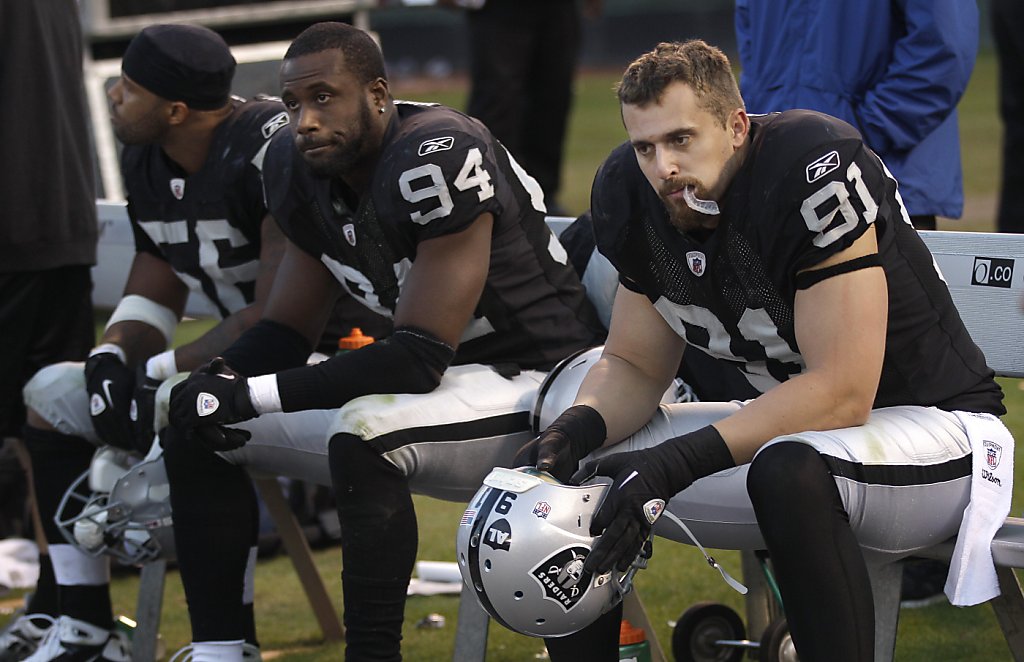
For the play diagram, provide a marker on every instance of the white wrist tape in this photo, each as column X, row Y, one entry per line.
column 137, row 308
column 109, row 348
column 161, row 366
column 264, row 394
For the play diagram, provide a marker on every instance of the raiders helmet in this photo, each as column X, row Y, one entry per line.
column 558, row 390
column 521, row 545
column 126, row 515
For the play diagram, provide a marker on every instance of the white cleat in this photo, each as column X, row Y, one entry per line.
column 250, row 653
column 73, row 640
column 23, row 635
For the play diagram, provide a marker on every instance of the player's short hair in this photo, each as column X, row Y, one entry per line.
column 362, row 55
column 701, row 66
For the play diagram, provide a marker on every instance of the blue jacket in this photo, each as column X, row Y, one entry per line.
column 895, row 69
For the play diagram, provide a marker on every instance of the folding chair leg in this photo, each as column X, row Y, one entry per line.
column 471, row 629
column 885, row 588
column 297, row 546
column 1009, row 609
column 148, row 610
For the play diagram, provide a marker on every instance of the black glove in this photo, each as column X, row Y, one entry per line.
column 570, row 437
column 110, row 383
column 644, row 482
column 214, row 395
column 143, row 409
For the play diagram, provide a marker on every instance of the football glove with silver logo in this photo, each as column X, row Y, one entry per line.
column 211, row 398
column 110, row 383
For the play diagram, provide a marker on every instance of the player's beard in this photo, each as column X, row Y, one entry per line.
column 150, row 128
column 681, row 215
column 346, row 155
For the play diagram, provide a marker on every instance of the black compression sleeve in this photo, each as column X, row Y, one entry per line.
column 410, row 361
column 691, row 456
column 267, row 347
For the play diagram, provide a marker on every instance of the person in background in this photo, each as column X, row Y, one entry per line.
column 48, row 231
column 1008, row 32
column 523, row 57
column 893, row 70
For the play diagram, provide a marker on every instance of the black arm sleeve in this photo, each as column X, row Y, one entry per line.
column 410, row 361
column 267, row 347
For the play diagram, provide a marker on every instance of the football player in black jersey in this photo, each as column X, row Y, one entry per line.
column 778, row 245
column 421, row 214
column 191, row 167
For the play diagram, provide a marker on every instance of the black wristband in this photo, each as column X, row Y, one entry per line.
column 584, row 427
column 692, row 456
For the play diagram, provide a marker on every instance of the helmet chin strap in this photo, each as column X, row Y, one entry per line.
column 735, row 585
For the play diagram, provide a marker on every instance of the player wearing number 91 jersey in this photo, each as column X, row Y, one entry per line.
column 808, row 189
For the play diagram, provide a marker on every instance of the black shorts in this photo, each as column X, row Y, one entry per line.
column 45, row 317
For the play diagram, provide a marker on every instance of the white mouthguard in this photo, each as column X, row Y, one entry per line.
column 709, row 207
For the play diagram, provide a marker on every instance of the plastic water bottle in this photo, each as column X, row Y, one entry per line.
column 633, row 644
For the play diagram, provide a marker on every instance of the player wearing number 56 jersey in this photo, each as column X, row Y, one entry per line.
column 779, row 246
column 192, row 170
column 420, row 214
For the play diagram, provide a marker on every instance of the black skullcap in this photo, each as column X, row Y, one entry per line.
column 186, row 63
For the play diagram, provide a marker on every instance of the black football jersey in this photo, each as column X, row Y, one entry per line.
column 438, row 172
column 808, row 188
column 207, row 225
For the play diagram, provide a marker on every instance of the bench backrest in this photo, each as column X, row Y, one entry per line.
column 985, row 275
column 984, row 272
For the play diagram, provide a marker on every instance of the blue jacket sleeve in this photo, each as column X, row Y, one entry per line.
column 742, row 20
column 926, row 77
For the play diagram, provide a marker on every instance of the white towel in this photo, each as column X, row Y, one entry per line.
column 972, row 573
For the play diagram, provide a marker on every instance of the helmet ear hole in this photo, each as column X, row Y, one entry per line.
column 487, row 565
column 518, row 595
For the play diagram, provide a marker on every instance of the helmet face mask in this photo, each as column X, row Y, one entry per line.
column 521, row 546
column 132, row 522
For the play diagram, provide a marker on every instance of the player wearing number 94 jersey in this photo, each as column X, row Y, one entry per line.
column 420, row 214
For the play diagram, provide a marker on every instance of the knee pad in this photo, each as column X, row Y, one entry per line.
column 57, row 394
column 790, row 482
column 355, row 465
